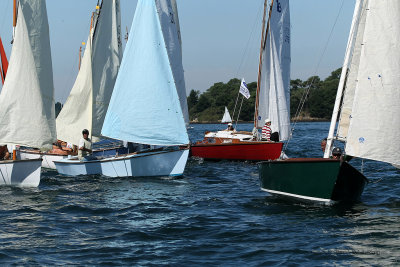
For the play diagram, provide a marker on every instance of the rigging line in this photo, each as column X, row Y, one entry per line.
column 239, row 112
column 246, row 49
column 304, row 98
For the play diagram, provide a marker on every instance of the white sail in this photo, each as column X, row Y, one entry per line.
column 27, row 97
column 351, row 80
column 88, row 101
column 227, row 117
column 106, row 59
column 274, row 96
column 374, row 124
column 76, row 113
column 168, row 14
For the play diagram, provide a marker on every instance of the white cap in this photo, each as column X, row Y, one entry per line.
column 267, row 120
column 230, row 124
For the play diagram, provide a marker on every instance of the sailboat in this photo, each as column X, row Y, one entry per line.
column 272, row 99
column 368, row 96
column 145, row 106
column 27, row 97
column 227, row 117
column 87, row 103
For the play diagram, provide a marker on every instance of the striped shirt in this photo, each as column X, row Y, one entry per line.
column 266, row 132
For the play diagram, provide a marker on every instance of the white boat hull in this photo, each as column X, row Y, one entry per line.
column 48, row 159
column 152, row 163
column 24, row 173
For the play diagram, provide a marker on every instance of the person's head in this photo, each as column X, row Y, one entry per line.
column 323, row 144
column 85, row 133
column 230, row 126
column 336, row 153
column 267, row 122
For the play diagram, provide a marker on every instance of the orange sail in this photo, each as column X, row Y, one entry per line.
column 4, row 62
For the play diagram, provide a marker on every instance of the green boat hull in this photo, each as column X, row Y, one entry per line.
column 316, row 180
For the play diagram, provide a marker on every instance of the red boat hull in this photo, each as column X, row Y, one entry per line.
column 255, row 151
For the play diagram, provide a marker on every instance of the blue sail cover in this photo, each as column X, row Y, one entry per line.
column 144, row 106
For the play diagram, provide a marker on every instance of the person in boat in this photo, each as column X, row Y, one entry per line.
column 336, row 153
column 85, row 147
column 4, row 154
column 266, row 131
column 323, row 144
column 230, row 127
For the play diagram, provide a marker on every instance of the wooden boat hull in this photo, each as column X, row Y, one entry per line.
column 316, row 180
column 25, row 173
column 253, row 151
column 152, row 163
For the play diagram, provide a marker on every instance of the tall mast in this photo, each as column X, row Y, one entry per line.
column 263, row 40
column 14, row 17
column 80, row 57
column 349, row 52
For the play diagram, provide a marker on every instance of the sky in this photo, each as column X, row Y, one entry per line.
column 220, row 38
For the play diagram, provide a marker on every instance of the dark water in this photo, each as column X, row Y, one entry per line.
column 215, row 214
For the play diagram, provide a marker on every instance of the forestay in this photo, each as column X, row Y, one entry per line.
column 87, row 103
column 27, row 97
column 375, row 117
column 145, row 106
column 274, row 96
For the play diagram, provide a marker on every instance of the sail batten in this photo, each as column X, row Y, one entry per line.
column 375, row 119
column 145, row 106
column 274, row 96
column 27, row 98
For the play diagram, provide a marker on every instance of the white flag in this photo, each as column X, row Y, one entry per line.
column 243, row 89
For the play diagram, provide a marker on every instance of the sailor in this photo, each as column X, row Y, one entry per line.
column 230, row 127
column 323, row 144
column 336, row 153
column 85, row 147
column 266, row 131
column 4, row 154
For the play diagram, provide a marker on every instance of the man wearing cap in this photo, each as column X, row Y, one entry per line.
column 266, row 130
column 85, row 147
column 230, row 127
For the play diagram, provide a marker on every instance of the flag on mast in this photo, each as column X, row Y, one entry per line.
column 244, row 90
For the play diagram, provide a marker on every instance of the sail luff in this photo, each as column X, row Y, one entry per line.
column 348, row 54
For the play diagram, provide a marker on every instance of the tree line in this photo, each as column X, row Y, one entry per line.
column 209, row 106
